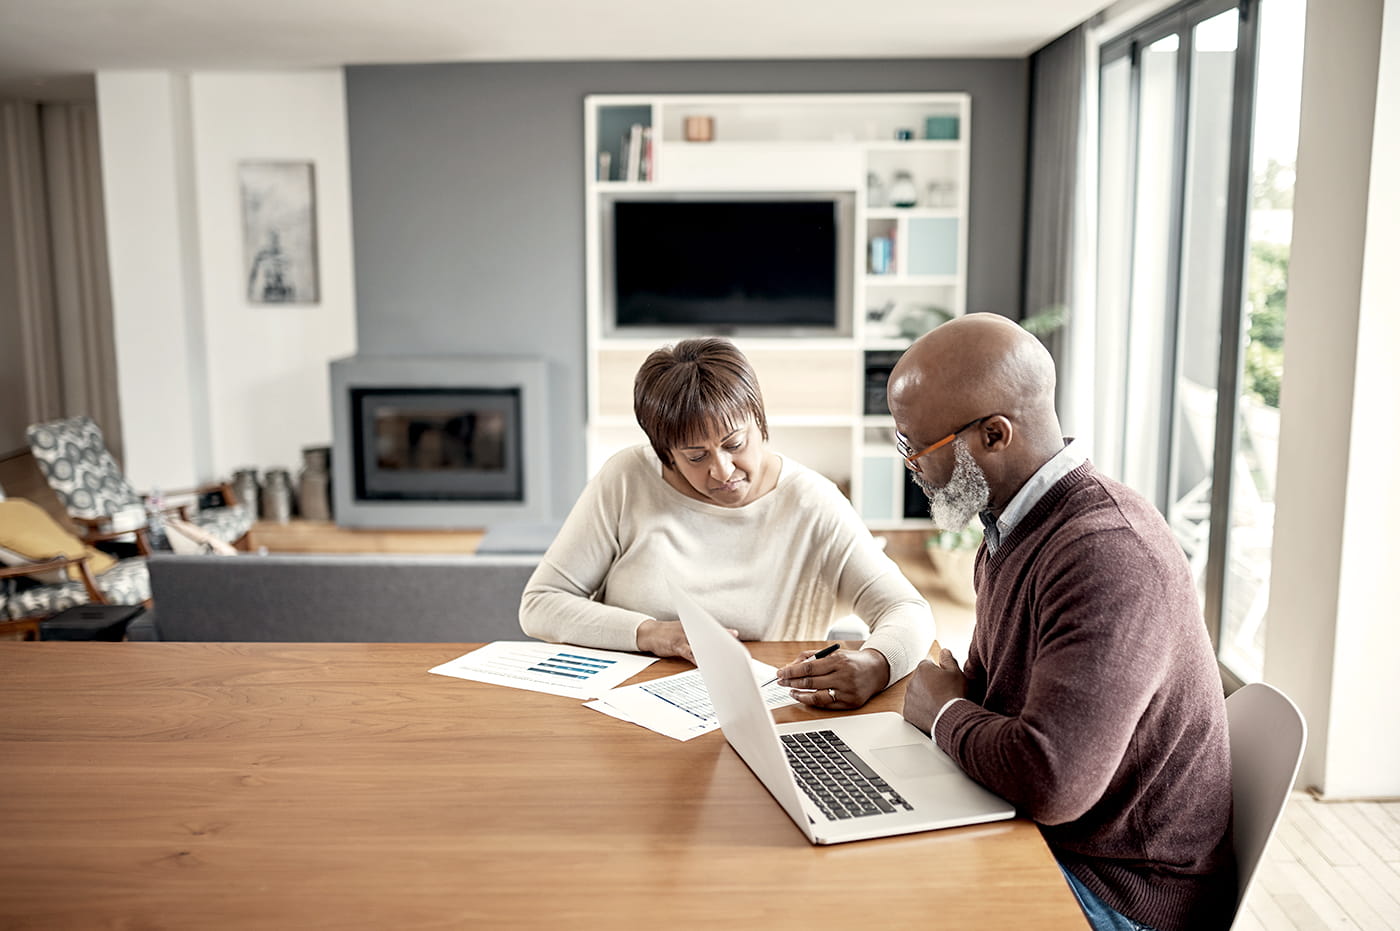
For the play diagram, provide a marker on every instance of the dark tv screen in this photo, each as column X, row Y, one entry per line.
column 722, row 265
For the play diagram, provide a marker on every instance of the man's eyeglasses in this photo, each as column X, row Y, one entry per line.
column 911, row 458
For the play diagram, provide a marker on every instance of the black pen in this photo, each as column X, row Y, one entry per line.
column 824, row 651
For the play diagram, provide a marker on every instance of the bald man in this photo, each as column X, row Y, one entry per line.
column 1090, row 697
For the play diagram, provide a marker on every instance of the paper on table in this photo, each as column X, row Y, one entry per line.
column 678, row 706
column 574, row 672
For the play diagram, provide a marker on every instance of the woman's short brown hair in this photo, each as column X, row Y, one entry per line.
column 686, row 390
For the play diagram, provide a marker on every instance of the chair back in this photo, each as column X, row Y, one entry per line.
column 1267, row 736
column 73, row 457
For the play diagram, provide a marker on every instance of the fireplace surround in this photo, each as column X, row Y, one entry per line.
column 445, row 442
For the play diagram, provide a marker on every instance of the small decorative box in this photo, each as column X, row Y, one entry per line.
column 941, row 127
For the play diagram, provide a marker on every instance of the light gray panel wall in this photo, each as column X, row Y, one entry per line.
column 467, row 197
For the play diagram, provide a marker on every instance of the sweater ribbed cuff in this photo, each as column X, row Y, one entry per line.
column 894, row 653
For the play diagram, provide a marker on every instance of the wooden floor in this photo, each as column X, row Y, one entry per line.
column 1331, row 865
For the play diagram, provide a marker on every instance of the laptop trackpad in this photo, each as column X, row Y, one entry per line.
column 915, row 760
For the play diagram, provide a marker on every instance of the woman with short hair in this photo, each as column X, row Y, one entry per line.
column 769, row 547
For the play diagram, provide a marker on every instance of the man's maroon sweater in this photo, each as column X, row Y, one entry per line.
column 1096, row 705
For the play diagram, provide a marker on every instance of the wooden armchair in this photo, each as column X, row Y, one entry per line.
column 91, row 532
column 73, row 457
column 27, row 628
column 62, row 570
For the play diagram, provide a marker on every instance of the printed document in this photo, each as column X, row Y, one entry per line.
column 574, row 672
column 678, row 706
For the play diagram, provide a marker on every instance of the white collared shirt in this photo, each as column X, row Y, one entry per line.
column 1064, row 462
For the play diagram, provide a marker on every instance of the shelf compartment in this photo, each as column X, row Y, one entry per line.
column 795, row 383
column 933, row 246
column 811, row 118
column 887, row 493
column 935, row 173
column 615, row 123
column 877, row 488
column 899, row 313
column 881, row 247
column 757, row 167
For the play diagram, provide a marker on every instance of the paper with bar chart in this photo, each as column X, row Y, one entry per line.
column 574, row 672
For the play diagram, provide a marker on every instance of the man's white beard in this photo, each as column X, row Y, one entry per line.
column 953, row 506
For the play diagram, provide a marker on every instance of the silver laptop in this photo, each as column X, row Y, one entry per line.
column 842, row 778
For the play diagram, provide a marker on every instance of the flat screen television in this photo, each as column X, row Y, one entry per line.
column 727, row 264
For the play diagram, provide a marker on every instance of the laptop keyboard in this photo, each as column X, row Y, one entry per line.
column 835, row 777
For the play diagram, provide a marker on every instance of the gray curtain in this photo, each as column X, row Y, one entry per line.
column 29, row 383
column 55, row 292
column 1057, row 103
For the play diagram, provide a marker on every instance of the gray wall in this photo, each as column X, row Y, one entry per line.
column 467, row 198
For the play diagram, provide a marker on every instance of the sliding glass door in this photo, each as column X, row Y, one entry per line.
column 1177, row 114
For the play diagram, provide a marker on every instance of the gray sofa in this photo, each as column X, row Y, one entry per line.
column 351, row 598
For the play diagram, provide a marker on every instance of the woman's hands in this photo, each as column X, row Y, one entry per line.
column 845, row 679
column 666, row 638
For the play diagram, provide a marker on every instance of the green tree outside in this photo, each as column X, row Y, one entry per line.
column 1268, row 291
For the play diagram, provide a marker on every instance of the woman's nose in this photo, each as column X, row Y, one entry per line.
column 721, row 466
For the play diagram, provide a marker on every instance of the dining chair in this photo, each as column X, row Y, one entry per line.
column 1267, row 736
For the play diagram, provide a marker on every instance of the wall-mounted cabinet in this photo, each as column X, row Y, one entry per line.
column 893, row 167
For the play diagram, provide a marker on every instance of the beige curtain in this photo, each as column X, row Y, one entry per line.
column 53, row 271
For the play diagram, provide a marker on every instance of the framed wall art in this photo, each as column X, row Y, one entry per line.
column 279, row 232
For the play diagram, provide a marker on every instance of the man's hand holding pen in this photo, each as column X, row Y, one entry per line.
column 835, row 678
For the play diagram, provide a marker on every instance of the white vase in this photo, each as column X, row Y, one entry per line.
column 954, row 569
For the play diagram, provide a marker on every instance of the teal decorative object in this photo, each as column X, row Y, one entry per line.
column 941, row 127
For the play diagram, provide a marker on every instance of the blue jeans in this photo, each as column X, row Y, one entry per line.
column 1101, row 916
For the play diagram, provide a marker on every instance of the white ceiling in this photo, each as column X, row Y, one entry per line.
column 44, row 43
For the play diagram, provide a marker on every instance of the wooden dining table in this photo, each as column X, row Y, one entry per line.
column 237, row 785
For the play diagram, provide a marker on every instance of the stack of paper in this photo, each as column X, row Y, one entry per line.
column 678, row 706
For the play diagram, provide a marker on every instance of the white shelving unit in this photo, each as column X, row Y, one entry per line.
column 908, row 264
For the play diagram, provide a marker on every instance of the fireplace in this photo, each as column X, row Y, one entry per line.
column 438, row 441
column 437, row 444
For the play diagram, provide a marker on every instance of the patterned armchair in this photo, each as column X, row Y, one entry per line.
column 73, row 457
column 44, row 569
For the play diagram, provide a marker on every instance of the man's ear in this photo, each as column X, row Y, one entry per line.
column 995, row 433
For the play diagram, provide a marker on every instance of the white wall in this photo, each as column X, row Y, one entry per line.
column 1368, row 636
column 269, row 388
column 141, row 118
column 210, row 383
column 1333, row 641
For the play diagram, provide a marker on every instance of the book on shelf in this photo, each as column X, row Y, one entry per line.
column 632, row 157
column 646, row 173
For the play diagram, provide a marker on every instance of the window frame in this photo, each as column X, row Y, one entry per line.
column 1181, row 20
